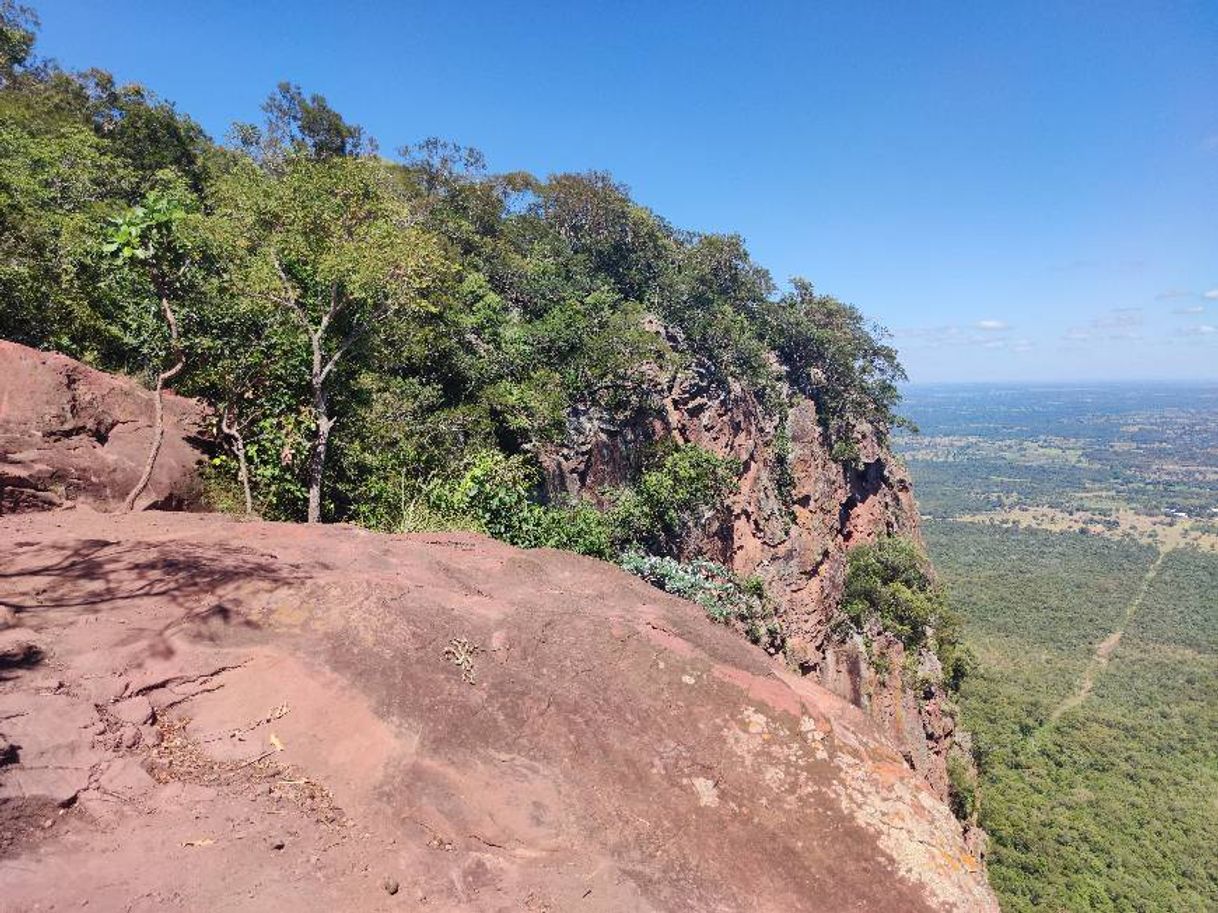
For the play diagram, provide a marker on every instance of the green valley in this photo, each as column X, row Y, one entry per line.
column 1094, row 707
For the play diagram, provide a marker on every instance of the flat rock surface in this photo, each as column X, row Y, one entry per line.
column 207, row 715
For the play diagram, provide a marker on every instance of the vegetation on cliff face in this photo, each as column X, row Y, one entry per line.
column 891, row 587
column 383, row 337
column 727, row 598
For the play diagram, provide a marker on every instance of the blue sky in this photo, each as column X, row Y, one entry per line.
column 1018, row 191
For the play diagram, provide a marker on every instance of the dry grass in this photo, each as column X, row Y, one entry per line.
column 1164, row 532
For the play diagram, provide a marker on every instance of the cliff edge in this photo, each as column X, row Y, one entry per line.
column 256, row 716
column 798, row 510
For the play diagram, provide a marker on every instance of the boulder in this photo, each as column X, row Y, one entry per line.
column 72, row 435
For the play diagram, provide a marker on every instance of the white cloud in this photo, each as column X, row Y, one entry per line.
column 1212, row 294
column 1173, row 293
column 1200, row 329
column 1119, row 319
column 1116, row 324
column 987, row 334
column 1191, row 309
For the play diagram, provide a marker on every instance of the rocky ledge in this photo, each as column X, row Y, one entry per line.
column 203, row 714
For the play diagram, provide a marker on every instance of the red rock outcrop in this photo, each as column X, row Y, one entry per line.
column 198, row 713
column 70, row 434
column 795, row 539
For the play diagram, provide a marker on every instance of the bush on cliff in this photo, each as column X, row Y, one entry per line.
column 497, row 495
column 726, row 597
column 890, row 585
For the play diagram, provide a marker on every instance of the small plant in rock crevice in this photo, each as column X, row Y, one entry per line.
column 461, row 652
column 891, row 587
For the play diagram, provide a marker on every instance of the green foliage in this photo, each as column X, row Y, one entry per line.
column 497, row 495
column 454, row 312
column 494, row 494
column 18, row 28
column 1109, row 809
column 142, row 129
column 845, row 451
column 145, row 232
column 784, row 472
column 495, row 490
column 890, row 584
column 833, row 356
column 300, row 125
column 678, row 492
column 726, row 597
column 962, row 787
column 221, row 492
column 56, row 187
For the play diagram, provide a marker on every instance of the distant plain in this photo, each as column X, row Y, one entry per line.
column 1076, row 527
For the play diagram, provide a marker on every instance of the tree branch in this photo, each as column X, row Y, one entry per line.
column 289, row 298
column 336, row 305
column 351, row 338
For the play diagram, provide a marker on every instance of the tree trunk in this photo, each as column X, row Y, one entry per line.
column 317, row 460
column 233, row 429
column 317, row 465
column 243, row 472
column 158, row 419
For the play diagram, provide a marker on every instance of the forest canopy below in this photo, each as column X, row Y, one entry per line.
column 388, row 339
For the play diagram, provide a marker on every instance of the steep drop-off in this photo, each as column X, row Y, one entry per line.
column 276, row 716
column 796, row 514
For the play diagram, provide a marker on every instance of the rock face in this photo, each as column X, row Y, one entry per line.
column 213, row 715
column 70, row 434
column 795, row 516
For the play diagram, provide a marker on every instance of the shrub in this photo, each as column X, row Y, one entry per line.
column 496, row 494
column 890, row 584
column 832, row 355
column 578, row 527
column 491, row 493
column 727, row 598
column 494, row 490
column 683, row 487
column 845, row 451
column 963, row 795
column 784, row 472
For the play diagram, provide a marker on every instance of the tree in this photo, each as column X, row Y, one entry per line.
column 442, row 163
column 143, row 129
column 146, row 237
column 243, row 366
column 301, row 126
column 891, row 583
column 18, row 28
column 58, row 184
column 331, row 247
column 832, row 356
